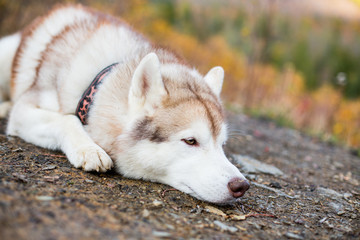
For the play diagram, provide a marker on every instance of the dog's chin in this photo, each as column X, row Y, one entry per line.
column 226, row 200
column 221, row 202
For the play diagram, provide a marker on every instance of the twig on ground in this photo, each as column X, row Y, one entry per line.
column 280, row 193
column 167, row 190
column 244, row 217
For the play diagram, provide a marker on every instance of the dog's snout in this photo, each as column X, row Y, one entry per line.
column 238, row 187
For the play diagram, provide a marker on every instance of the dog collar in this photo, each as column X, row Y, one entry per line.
column 88, row 96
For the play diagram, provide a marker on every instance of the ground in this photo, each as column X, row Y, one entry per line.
column 301, row 188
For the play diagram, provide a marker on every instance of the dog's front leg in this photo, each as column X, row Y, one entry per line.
column 58, row 131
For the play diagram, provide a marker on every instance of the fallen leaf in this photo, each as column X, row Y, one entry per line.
column 214, row 210
column 237, row 217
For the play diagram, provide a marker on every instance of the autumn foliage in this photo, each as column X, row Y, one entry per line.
column 266, row 74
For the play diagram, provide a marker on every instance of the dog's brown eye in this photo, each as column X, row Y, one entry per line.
column 190, row 141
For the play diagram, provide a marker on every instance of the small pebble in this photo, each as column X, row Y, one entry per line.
column 171, row 227
column 347, row 195
column 146, row 213
column 225, row 227
column 251, row 176
column 329, row 225
column 50, row 167
column 160, row 234
column 17, row 150
column 293, row 235
column 157, row 203
column 275, row 185
column 44, row 198
column 299, row 221
column 323, row 220
column 340, row 213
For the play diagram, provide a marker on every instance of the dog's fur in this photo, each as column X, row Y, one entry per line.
column 142, row 115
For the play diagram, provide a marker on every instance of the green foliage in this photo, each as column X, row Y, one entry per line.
column 319, row 47
column 166, row 10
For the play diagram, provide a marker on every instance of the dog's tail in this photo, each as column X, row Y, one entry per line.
column 8, row 48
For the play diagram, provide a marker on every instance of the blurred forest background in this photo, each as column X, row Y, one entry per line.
column 296, row 61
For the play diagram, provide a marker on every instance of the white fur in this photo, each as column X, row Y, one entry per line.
column 148, row 73
column 8, row 46
column 53, row 25
column 46, row 95
column 215, row 78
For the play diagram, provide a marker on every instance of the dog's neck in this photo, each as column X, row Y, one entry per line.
column 87, row 98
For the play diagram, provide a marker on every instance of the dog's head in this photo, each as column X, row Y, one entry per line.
column 178, row 132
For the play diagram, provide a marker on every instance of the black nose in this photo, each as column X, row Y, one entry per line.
column 238, row 187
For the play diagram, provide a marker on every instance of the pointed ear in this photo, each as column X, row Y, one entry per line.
column 147, row 87
column 214, row 78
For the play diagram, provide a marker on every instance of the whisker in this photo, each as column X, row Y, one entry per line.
column 236, row 132
column 238, row 137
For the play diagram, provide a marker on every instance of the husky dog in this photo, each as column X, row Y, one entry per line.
column 87, row 84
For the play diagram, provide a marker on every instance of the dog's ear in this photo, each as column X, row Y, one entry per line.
column 214, row 79
column 147, row 87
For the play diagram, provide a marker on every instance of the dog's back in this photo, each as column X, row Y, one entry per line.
column 66, row 48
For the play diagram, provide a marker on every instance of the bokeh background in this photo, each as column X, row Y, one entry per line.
column 296, row 62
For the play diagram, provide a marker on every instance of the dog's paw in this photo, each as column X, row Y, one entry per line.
column 93, row 158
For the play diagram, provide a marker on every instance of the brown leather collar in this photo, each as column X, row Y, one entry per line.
column 87, row 98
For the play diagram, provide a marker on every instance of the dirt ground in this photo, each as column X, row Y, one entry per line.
column 317, row 196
